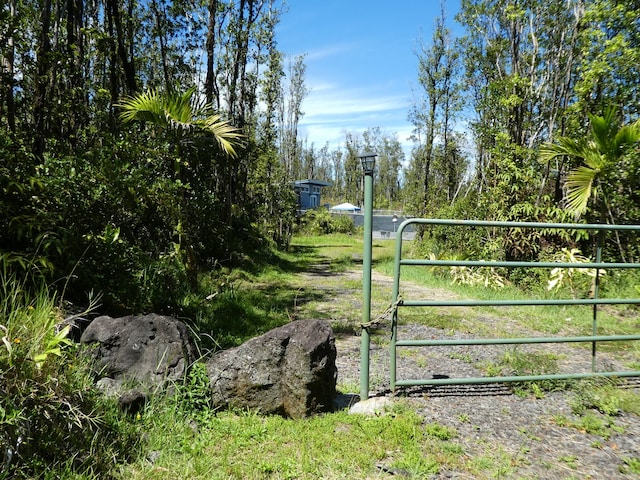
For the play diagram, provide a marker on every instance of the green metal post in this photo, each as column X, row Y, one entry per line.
column 394, row 299
column 366, row 285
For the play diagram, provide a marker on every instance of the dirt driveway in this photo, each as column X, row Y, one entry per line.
column 537, row 434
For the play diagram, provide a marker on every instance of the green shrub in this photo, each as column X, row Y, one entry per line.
column 51, row 417
column 323, row 222
column 194, row 393
column 112, row 216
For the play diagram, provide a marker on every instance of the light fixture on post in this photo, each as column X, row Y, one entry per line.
column 368, row 161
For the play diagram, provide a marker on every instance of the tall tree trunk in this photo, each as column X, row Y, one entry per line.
column 43, row 60
column 240, row 59
column 122, row 56
column 8, row 73
column 428, row 154
column 75, row 55
column 160, row 32
column 114, row 78
column 211, row 89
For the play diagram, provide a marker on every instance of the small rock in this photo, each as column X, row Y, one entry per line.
column 132, row 401
column 375, row 406
column 153, row 456
column 109, row 386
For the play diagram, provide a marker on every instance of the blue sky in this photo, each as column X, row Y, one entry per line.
column 361, row 62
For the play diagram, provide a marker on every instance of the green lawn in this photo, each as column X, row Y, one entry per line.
column 177, row 437
column 240, row 444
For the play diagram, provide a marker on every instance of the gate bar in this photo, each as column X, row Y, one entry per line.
column 518, row 378
column 517, row 340
column 495, row 263
column 506, row 303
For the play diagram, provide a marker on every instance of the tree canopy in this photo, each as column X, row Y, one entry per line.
column 145, row 143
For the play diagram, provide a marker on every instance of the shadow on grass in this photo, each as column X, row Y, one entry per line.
column 235, row 316
column 265, row 292
column 298, row 259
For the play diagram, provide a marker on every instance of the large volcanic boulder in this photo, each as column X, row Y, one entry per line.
column 150, row 350
column 289, row 371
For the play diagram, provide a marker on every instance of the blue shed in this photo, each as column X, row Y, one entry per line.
column 308, row 193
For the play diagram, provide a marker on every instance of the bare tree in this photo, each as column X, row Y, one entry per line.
column 7, row 72
column 433, row 112
column 290, row 114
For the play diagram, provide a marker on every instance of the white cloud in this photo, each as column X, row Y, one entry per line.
column 330, row 51
column 347, row 95
column 331, row 110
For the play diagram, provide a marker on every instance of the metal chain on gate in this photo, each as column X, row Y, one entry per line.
column 386, row 315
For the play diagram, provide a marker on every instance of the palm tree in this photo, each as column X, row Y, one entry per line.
column 600, row 152
column 183, row 114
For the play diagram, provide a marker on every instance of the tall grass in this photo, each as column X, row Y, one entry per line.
column 51, row 418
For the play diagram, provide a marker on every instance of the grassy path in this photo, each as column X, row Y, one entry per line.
column 557, row 431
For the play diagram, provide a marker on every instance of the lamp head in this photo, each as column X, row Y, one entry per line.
column 368, row 160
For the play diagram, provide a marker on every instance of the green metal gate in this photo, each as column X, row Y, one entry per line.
column 399, row 303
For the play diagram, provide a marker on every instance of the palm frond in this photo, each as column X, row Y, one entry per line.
column 579, row 188
column 170, row 109
column 182, row 113
column 178, row 107
column 626, row 137
column 564, row 147
column 225, row 134
column 603, row 131
column 599, row 154
column 145, row 106
column 593, row 159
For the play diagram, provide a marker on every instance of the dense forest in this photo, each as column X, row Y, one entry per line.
column 144, row 143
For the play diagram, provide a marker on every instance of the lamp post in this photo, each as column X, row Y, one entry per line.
column 368, row 161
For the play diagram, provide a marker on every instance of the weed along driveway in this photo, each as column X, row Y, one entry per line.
column 545, row 429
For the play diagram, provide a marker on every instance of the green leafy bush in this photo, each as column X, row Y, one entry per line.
column 113, row 216
column 323, row 222
column 457, row 241
column 51, row 417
